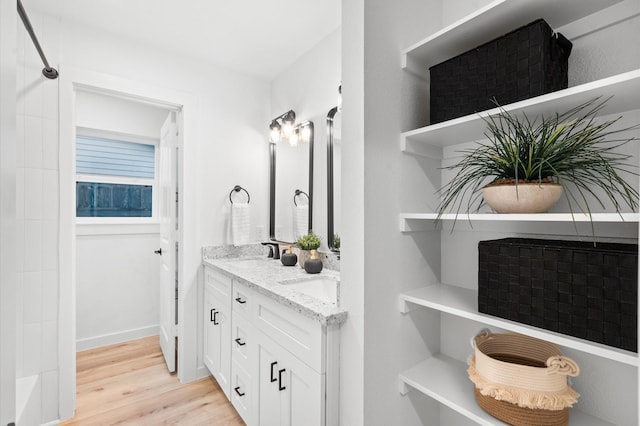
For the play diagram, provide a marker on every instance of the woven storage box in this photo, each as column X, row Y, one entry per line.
column 569, row 287
column 521, row 380
column 524, row 63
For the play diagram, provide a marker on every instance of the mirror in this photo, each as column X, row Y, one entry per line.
column 291, row 184
column 334, row 181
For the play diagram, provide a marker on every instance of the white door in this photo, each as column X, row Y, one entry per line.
column 168, row 240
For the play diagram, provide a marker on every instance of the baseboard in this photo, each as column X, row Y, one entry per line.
column 201, row 372
column 113, row 338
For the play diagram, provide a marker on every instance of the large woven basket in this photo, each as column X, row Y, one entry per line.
column 521, row 380
column 529, row 61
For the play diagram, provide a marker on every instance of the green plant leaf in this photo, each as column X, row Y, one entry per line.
column 573, row 148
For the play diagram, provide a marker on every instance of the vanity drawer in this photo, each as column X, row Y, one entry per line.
column 301, row 336
column 243, row 393
column 243, row 345
column 243, row 300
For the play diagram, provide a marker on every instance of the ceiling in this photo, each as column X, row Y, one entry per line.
column 256, row 37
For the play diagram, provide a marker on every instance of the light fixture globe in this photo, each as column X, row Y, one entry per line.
column 288, row 120
column 274, row 134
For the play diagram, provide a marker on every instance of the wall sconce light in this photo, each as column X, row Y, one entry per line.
column 274, row 131
column 289, row 119
column 282, row 128
column 305, row 132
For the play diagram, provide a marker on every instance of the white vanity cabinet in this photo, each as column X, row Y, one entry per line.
column 281, row 362
column 217, row 327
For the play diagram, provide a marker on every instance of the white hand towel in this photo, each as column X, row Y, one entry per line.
column 300, row 220
column 240, row 227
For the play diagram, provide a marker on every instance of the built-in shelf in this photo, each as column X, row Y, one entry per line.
column 445, row 380
column 495, row 20
column 623, row 87
column 407, row 218
column 463, row 302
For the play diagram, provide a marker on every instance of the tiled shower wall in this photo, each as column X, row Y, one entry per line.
column 37, row 220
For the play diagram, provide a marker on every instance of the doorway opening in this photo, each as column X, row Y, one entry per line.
column 125, row 210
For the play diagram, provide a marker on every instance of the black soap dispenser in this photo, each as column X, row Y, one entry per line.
column 288, row 258
column 313, row 265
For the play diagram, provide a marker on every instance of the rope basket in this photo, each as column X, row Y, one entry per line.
column 522, row 380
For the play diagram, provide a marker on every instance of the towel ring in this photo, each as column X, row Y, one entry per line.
column 299, row 192
column 238, row 188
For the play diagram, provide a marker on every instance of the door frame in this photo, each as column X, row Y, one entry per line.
column 71, row 80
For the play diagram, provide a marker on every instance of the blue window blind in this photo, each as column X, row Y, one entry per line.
column 99, row 156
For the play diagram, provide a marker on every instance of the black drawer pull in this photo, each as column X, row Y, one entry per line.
column 237, row 389
column 240, row 300
column 212, row 315
column 273, row 364
column 215, row 317
column 280, row 387
column 240, row 342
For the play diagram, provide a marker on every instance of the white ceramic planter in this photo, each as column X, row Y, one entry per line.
column 531, row 197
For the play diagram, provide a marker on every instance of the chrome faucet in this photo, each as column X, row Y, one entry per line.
column 274, row 249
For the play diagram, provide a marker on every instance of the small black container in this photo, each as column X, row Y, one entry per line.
column 313, row 265
column 289, row 259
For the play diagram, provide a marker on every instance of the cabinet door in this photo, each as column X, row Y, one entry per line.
column 217, row 329
column 290, row 392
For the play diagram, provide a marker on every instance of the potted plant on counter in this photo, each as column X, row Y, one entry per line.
column 526, row 164
column 305, row 244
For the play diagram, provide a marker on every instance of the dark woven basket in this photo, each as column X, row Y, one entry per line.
column 524, row 63
column 569, row 287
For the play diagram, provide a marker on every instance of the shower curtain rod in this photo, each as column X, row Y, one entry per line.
column 47, row 71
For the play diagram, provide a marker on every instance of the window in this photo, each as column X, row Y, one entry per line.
column 114, row 177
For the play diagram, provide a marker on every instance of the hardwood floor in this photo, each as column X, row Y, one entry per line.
column 128, row 383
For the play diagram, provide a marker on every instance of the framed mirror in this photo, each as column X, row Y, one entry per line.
column 334, row 181
column 291, row 184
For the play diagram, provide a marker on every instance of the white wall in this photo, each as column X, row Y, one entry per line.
column 110, row 113
column 37, row 234
column 310, row 87
column 117, row 288
column 117, row 273
column 7, row 211
column 393, row 182
column 352, row 278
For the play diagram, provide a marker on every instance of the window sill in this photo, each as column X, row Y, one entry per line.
column 116, row 228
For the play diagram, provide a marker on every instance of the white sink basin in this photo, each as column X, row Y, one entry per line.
column 324, row 289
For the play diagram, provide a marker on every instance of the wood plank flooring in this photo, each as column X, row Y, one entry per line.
column 128, row 384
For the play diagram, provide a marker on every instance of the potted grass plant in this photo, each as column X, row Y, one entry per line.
column 306, row 244
column 525, row 162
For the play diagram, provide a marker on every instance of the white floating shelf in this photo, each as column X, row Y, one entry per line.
column 407, row 218
column 623, row 87
column 463, row 303
column 495, row 20
column 445, row 380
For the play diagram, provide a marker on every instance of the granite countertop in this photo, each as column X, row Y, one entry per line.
column 264, row 276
